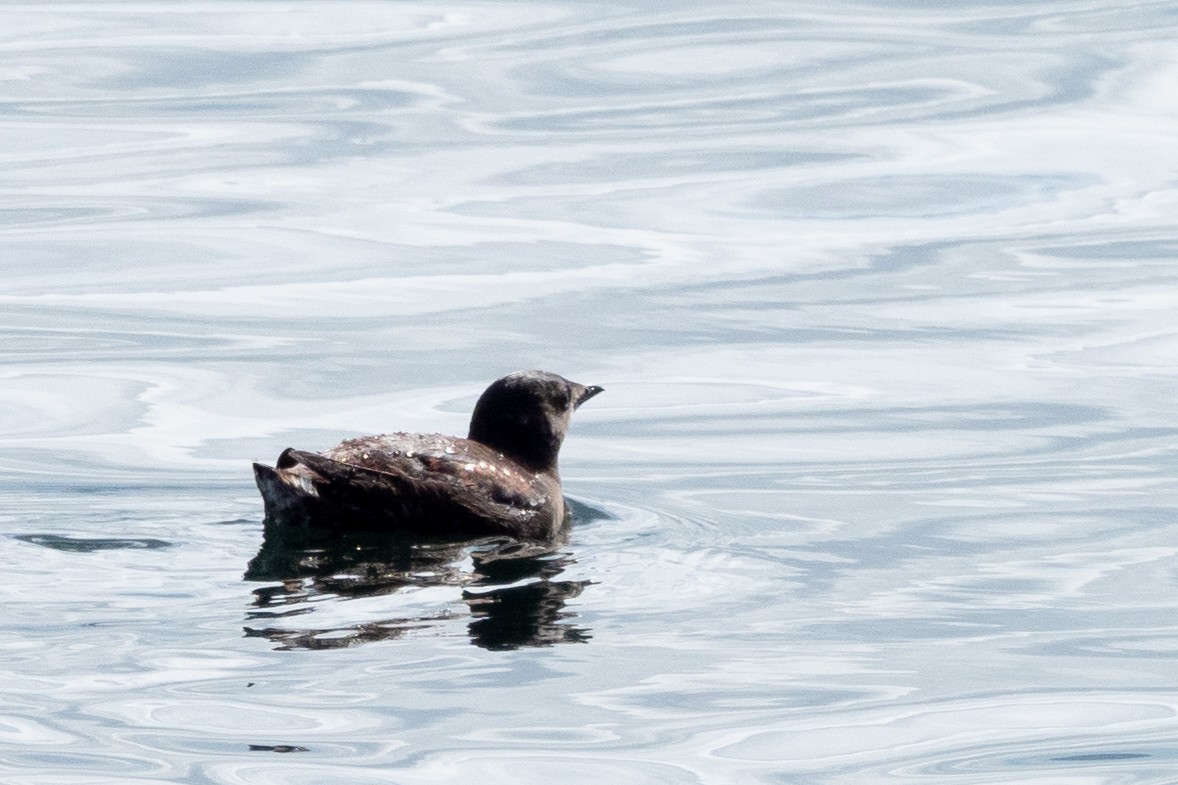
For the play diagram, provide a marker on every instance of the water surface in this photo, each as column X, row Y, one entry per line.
column 881, row 489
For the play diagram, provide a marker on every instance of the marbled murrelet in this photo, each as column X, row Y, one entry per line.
column 501, row 479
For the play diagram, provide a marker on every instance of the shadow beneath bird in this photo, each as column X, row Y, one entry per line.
column 508, row 589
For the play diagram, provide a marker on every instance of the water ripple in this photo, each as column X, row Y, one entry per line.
column 88, row 544
column 882, row 296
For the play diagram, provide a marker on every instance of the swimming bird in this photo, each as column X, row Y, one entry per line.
column 502, row 479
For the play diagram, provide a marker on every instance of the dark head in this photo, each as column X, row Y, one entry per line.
column 525, row 415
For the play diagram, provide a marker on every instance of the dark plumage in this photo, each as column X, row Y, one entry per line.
column 501, row 479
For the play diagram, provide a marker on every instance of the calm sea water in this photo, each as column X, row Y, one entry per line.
column 883, row 297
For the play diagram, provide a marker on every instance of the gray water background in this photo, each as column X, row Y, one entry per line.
column 882, row 294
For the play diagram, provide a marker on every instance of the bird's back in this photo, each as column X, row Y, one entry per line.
column 424, row 484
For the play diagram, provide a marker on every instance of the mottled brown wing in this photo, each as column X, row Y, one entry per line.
column 476, row 471
column 430, row 484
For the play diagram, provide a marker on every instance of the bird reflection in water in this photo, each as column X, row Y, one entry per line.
column 509, row 588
